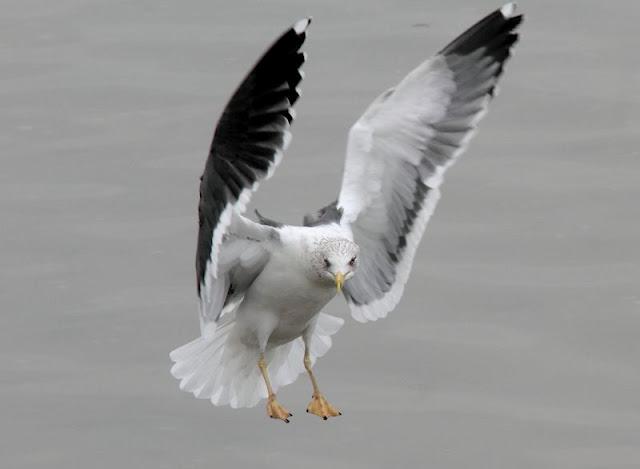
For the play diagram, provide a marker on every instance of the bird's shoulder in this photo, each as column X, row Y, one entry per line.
column 291, row 235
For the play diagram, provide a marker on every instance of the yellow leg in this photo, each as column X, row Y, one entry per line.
column 274, row 409
column 318, row 405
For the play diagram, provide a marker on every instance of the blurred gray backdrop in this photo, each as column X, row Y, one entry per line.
column 517, row 342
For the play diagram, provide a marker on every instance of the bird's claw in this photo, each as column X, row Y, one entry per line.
column 320, row 406
column 276, row 411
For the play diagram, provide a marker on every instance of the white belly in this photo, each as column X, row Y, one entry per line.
column 281, row 303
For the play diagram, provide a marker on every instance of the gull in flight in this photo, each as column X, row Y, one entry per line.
column 262, row 284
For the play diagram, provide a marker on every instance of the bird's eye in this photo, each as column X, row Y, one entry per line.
column 352, row 261
column 327, row 264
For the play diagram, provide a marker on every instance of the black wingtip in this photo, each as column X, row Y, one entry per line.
column 500, row 22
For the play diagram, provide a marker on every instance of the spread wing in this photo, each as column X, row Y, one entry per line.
column 399, row 149
column 248, row 143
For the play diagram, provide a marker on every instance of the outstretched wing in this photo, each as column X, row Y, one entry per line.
column 399, row 149
column 248, row 143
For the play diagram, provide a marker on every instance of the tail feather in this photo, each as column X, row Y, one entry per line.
column 321, row 341
column 286, row 362
column 220, row 368
column 187, row 350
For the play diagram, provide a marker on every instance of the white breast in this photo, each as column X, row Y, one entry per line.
column 285, row 289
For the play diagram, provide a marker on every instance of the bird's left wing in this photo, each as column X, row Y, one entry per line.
column 248, row 143
column 399, row 149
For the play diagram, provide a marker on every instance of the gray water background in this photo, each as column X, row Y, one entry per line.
column 517, row 342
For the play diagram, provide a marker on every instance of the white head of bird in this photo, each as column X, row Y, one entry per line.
column 334, row 261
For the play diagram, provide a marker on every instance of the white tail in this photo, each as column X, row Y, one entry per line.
column 219, row 367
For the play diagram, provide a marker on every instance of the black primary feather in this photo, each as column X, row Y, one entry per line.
column 251, row 133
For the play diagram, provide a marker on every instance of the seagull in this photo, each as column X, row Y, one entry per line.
column 262, row 284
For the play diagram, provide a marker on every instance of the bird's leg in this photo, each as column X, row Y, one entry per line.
column 274, row 409
column 318, row 405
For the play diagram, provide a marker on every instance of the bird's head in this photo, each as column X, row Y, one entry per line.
column 335, row 260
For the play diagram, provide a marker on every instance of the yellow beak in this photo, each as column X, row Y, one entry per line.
column 339, row 281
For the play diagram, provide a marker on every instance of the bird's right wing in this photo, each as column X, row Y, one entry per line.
column 248, row 143
column 400, row 148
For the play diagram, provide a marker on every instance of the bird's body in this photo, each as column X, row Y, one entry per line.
column 262, row 285
column 285, row 299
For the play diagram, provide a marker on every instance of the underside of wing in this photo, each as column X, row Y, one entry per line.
column 251, row 135
column 241, row 260
column 400, row 148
